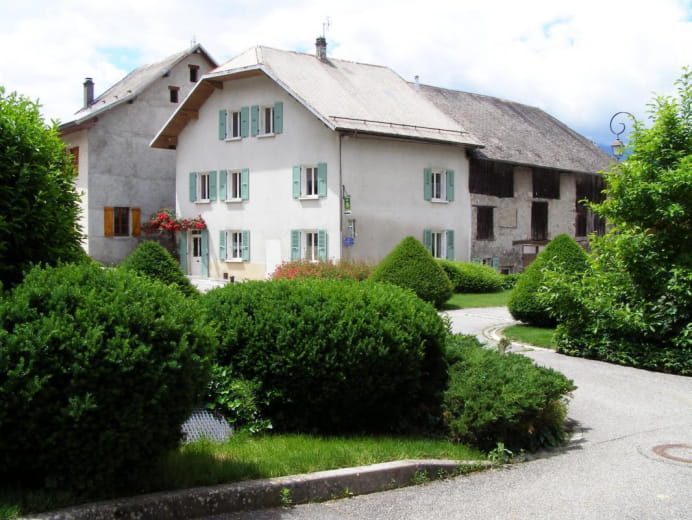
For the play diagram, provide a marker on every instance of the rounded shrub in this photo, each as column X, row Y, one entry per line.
column 153, row 261
column 561, row 255
column 467, row 277
column 494, row 397
column 410, row 265
column 98, row 370
column 333, row 355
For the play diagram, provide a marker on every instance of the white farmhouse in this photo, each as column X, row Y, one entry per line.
column 292, row 156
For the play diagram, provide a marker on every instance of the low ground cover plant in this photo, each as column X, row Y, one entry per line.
column 333, row 355
column 467, row 277
column 342, row 270
column 152, row 260
column 98, row 370
column 494, row 397
column 410, row 265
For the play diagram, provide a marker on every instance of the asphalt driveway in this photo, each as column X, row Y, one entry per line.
column 630, row 458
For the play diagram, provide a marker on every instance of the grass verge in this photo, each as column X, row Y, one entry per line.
column 244, row 457
column 472, row 300
column 538, row 336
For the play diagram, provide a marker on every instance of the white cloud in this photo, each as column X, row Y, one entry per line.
column 580, row 60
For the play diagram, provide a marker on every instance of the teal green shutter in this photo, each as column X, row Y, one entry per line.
column 244, row 184
column 450, row 244
column 296, row 182
column 496, row 263
column 278, row 117
column 212, row 185
column 254, row 120
column 449, row 192
column 475, row 260
column 182, row 250
column 244, row 116
column 222, row 124
column 246, row 246
column 205, row 252
column 193, row 186
column 295, row 245
column 222, row 245
column 322, row 245
column 427, row 239
column 427, row 184
column 223, row 180
column 322, row 179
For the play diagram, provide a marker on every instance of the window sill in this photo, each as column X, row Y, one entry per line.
column 261, row 136
column 309, row 197
column 203, row 201
column 233, row 201
column 234, row 260
column 229, row 139
column 439, row 201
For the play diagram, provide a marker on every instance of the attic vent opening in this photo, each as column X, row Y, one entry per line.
column 321, row 48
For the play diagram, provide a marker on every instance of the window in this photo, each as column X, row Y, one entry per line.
column 173, row 94
column 309, row 245
column 589, row 188
column 235, row 185
column 539, row 221
column 74, row 153
column 233, row 124
column 438, row 185
column 310, row 181
column 202, row 186
column 485, row 223
column 546, row 184
column 439, row 243
column 194, row 73
column 491, row 178
column 234, row 246
column 266, row 120
column 120, row 221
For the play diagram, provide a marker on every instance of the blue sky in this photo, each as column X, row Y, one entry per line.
column 579, row 60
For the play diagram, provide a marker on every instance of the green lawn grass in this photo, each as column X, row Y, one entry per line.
column 538, row 336
column 244, row 457
column 468, row 301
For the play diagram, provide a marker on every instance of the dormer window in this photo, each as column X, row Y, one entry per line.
column 194, row 73
column 173, row 94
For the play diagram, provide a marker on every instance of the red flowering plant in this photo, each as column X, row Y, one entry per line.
column 165, row 220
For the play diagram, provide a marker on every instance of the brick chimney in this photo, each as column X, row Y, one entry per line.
column 88, row 92
column 321, row 48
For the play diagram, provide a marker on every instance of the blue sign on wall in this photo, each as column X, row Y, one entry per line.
column 349, row 241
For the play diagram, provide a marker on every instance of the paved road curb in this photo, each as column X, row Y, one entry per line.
column 263, row 494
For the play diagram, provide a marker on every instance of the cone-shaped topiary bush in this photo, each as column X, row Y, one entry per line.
column 152, row 260
column 410, row 265
column 562, row 254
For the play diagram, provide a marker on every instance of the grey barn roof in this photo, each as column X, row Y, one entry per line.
column 133, row 84
column 516, row 133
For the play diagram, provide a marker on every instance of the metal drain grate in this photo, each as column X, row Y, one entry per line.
column 677, row 452
column 204, row 424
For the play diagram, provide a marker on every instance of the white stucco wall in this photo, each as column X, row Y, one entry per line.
column 80, row 140
column 385, row 178
column 271, row 211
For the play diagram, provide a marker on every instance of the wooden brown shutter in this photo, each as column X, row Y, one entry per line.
column 136, row 214
column 108, row 221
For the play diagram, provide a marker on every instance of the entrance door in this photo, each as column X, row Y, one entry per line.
column 539, row 221
column 196, row 253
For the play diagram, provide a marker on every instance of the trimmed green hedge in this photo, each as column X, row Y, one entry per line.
column 507, row 398
column 333, row 355
column 467, row 277
column 410, row 265
column 561, row 255
column 98, row 370
column 152, row 260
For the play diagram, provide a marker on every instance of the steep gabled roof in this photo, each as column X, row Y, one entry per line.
column 344, row 95
column 133, row 84
column 519, row 134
